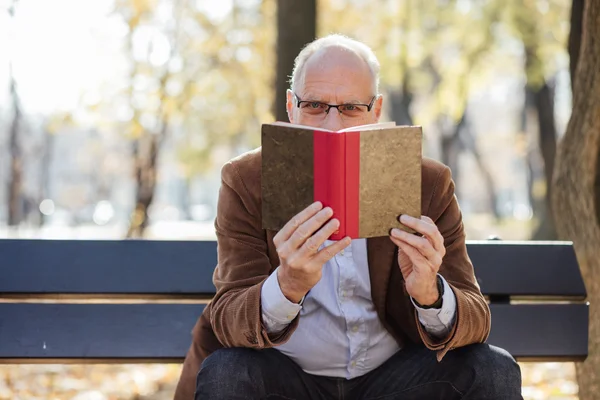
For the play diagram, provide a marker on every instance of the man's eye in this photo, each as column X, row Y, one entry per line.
column 350, row 107
column 315, row 105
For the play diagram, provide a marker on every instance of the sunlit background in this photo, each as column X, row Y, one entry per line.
column 114, row 107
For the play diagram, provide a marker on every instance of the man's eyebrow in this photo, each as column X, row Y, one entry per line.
column 312, row 97
column 354, row 102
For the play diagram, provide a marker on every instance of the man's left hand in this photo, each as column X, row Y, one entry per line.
column 420, row 258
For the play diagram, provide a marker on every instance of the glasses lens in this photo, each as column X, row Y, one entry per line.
column 353, row 110
column 313, row 107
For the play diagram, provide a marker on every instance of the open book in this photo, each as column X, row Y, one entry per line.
column 369, row 175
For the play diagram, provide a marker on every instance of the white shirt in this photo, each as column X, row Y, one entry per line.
column 339, row 333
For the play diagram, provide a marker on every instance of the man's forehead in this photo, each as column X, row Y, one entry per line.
column 342, row 63
column 329, row 96
column 327, row 56
column 336, row 74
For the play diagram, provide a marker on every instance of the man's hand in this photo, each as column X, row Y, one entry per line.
column 420, row 258
column 297, row 245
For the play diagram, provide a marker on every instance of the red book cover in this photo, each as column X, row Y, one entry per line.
column 368, row 175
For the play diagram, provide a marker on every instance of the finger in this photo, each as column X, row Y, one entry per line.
column 293, row 224
column 423, row 245
column 328, row 252
column 425, row 227
column 427, row 219
column 308, row 228
column 418, row 225
column 286, row 232
column 419, row 262
column 438, row 239
column 312, row 244
column 415, row 256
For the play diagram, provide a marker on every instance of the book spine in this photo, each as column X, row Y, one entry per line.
column 352, row 177
column 329, row 176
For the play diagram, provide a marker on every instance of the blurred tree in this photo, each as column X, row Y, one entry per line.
column 432, row 53
column 201, row 79
column 44, row 155
column 576, row 183
column 148, row 136
column 198, row 84
column 296, row 26
column 228, row 76
column 401, row 97
column 44, row 177
column 531, row 21
column 15, row 182
column 457, row 135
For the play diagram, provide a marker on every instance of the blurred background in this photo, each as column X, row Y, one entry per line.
column 117, row 115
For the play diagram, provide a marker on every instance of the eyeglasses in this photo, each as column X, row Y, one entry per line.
column 319, row 109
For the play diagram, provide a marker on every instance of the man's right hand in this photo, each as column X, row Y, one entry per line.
column 297, row 245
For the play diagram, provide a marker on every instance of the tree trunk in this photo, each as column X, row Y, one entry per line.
column 542, row 99
column 575, row 36
column 544, row 104
column 401, row 98
column 15, row 185
column 296, row 26
column 462, row 140
column 531, row 157
column 400, row 101
column 44, row 173
column 15, row 182
column 451, row 146
column 145, row 156
column 469, row 144
column 146, row 148
column 576, row 189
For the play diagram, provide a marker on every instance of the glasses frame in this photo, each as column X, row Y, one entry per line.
column 369, row 106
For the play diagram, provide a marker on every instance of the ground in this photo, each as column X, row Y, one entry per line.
column 547, row 381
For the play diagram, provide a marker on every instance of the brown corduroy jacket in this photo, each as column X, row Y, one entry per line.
column 247, row 255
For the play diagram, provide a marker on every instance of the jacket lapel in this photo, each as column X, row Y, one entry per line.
column 381, row 254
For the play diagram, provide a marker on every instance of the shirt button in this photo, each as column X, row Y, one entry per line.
column 343, row 293
column 342, row 252
column 353, row 364
column 355, row 328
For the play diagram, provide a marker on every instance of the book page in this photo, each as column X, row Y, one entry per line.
column 368, row 127
column 290, row 125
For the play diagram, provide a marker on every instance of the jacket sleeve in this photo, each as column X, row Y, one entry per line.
column 472, row 324
column 242, row 268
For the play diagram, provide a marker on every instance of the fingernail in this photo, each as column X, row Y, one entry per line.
column 404, row 218
column 395, row 232
column 318, row 205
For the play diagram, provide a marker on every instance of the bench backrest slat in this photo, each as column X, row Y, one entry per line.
column 107, row 267
column 527, row 268
column 185, row 268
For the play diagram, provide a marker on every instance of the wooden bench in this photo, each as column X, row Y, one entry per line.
column 136, row 301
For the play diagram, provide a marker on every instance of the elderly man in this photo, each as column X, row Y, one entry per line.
column 297, row 316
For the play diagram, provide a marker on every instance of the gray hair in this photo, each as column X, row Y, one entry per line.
column 335, row 40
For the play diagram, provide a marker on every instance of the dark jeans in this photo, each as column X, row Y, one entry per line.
column 475, row 372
